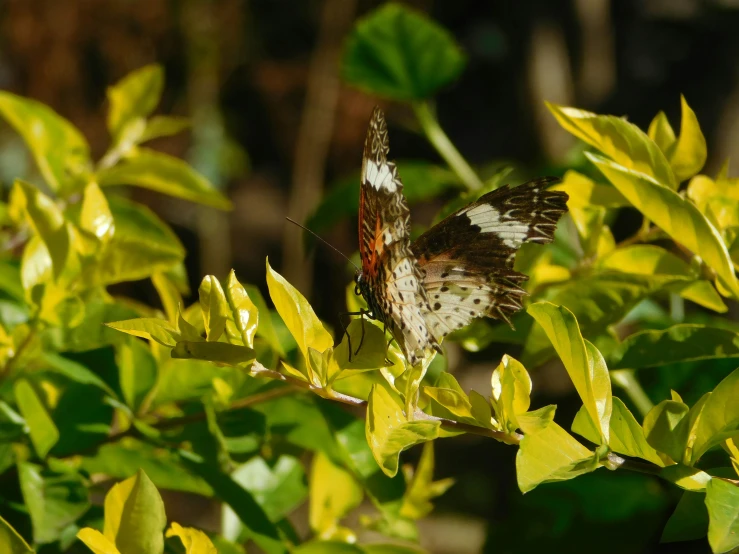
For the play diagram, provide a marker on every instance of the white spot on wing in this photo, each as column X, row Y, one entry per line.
column 380, row 177
column 489, row 220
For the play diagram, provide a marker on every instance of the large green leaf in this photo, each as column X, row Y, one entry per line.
column 54, row 501
column 722, row 501
column 719, row 418
column 626, row 434
column 689, row 521
column 679, row 343
column 401, row 54
column 166, row 174
column 389, row 431
column 551, row 454
column 44, row 433
column 621, row 141
column 676, row 216
column 584, row 363
column 334, row 492
column 60, row 150
column 134, row 516
column 137, row 372
column 298, row 316
column 141, row 246
column 10, row 541
column 134, row 97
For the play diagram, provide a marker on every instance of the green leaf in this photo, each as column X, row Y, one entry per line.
column 688, row 154
column 251, row 514
column 54, row 501
column 660, row 131
column 137, row 373
column 626, row 436
column 166, row 174
column 158, row 330
column 389, row 431
column 243, row 318
column 265, row 326
column 164, row 126
column 134, row 516
column 10, row 541
column 44, row 434
column 719, row 417
column 59, row 149
column 511, row 392
column 134, row 97
column 421, row 486
column 685, row 477
column 194, row 540
column 76, row 372
column 401, row 54
column 689, row 521
column 372, row 353
column 214, row 307
column 621, row 141
column 583, row 362
column 679, row 343
column 676, row 216
column 584, row 191
column 666, row 428
column 535, row 421
column 169, row 295
column 298, row 316
column 722, row 501
column 717, row 199
column 95, row 215
column 141, row 246
column 334, row 492
column 549, row 455
column 219, row 352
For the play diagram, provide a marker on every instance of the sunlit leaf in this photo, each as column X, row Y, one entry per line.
column 95, row 215
column 389, row 431
column 219, row 352
column 243, row 314
column 10, row 541
column 584, row 191
column 719, row 417
column 194, row 540
column 677, row 217
column 661, row 132
column 166, row 174
column 137, row 373
column 44, row 433
column 134, row 516
column 666, row 428
column 535, row 421
column 164, row 126
column 214, row 307
column 722, row 501
column 377, row 51
column 158, row 330
column 134, row 97
column 334, row 492
column 688, row 154
column 551, row 454
column 511, row 386
column 422, row 488
column 623, row 142
column 584, row 363
column 59, row 149
column 371, row 354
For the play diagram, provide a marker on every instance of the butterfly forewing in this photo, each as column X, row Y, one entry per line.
column 390, row 281
column 467, row 259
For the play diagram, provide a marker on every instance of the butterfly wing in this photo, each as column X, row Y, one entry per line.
column 390, row 279
column 467, row 259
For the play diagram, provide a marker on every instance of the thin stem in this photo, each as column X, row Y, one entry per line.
column 438, row 138
column 626, row 379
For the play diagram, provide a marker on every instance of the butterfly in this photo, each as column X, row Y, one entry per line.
column 458, row 270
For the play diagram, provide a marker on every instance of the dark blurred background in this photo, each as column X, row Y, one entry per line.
column 274, row 127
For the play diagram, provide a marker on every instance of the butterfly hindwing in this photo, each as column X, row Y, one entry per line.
column 390, row 280
column 467, row 259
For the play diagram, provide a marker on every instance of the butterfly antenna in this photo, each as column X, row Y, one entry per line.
column 324, row 241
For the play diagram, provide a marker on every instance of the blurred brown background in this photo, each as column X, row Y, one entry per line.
column 274, row 127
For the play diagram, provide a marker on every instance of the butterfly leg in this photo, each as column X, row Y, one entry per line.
column 360, row 313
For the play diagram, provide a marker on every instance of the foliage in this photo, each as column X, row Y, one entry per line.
column 223, row 398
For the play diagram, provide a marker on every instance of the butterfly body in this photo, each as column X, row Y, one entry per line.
column 460, row 269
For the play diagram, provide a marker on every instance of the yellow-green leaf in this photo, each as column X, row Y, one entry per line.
column 134, row 97
column 549, row 455
column 166, row 174
column 584, row 363
column 334, row 492
column 621, row 141
column 134, row 516
column 422, row 488
column 214, row 307
column 158, row 330
column 194, row 540
column 298, row 315
column 389, row 431
column 660, row 131
column 97, row 542
column 44, row 433
column 719, row 417
column 676, row 216
column 95, row 216
column 722, row 501
column 666, row 428
column 243, row 315
column 688, row 154
column 59, row 149
column 10, row 541
column 535, row 421
column 219, row 352
column 584, row 191
column 511, row 396
column 164, row 126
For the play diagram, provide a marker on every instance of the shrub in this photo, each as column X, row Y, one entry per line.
column 224, row 397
